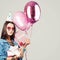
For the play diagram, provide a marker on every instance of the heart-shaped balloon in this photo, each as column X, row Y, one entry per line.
column 20, row 20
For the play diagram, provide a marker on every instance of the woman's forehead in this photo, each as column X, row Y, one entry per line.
column 10, row 25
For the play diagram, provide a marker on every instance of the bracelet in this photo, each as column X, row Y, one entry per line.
column 24, row 49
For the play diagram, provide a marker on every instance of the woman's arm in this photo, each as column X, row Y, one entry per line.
column 9, row 58
column 21, row 51
column 12, row 58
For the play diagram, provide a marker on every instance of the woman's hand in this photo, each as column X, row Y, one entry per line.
column 12, row 58
column 27, row 42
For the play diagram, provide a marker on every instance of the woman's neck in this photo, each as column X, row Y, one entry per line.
column 9, row 39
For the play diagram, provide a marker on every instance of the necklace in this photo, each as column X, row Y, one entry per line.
column 11, row 43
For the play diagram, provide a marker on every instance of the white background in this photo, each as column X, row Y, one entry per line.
column 45, row 39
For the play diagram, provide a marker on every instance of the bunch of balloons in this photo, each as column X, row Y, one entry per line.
column 24, row 20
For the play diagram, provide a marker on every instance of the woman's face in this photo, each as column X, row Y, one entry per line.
column 10, row 29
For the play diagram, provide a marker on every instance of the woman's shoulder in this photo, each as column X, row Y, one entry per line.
column 4, row 44
column 2, row 40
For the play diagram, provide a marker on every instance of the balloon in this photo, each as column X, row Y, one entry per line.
column 20, row 20
column 21, row 38
column 32, row 11
column 28, row 26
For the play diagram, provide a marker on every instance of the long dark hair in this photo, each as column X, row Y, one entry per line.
column 4, row 34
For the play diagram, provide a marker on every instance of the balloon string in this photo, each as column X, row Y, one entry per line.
column 26, row 54
column 31, row 31
column 26, row 32
column 29, row 37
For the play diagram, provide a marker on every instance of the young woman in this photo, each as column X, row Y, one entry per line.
column 7, row 40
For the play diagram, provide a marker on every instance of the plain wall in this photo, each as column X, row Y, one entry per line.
column 45, row 37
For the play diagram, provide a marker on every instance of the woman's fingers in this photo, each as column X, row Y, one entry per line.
column 27, row 41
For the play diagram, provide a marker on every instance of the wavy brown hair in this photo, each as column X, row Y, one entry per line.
column 4, row 34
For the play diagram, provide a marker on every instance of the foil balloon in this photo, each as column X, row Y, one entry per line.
column 32, row 11
column 20, row 20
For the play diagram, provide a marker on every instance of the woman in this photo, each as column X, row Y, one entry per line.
column 7, row 40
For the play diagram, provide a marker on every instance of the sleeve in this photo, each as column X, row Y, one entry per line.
column 3, row 53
